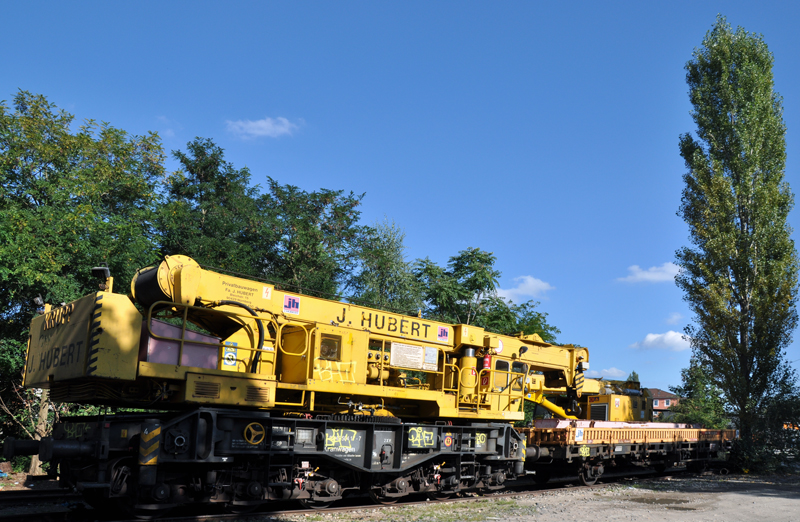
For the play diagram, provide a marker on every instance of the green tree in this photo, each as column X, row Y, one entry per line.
column 508, row 318
column 462, row 291
column 633, row 377
column 69, row 201
column 466, row 293
column 701, row 401
column 305, row 241
column 740, row 277
column 211, row 213
column 313, row 237
column 385, row 279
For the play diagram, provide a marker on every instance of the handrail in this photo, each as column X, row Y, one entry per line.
column 488, row 389
column 444, row 377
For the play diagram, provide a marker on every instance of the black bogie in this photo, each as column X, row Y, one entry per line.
column 152, row 462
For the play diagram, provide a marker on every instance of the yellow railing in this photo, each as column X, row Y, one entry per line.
column 488, row 390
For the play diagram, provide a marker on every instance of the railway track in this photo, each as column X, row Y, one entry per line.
column 42, row 505
column 364, row 504
column 61, row 505
column 38, row 496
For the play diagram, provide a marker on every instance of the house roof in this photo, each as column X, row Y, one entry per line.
column 661, row 394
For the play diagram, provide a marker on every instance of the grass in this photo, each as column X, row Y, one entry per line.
column 467, row 512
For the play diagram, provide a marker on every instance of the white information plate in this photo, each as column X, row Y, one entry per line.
column 407, row 355
column 431, row 359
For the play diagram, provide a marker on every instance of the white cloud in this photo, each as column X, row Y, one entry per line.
column 654, row 274
column 671, row 340
column 167, row 126
column 270, row 127
column 527, row 286
column 610, row 373
column 674, row 318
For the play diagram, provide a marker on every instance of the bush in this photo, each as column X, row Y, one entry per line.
column 21, row 464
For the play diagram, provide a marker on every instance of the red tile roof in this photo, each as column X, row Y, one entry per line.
column 656, row 393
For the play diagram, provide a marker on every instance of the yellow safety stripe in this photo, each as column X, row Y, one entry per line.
column 146, row 451
column 150, row 462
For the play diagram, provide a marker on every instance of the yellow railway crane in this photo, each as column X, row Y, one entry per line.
column 205, row 338
column 262, row 394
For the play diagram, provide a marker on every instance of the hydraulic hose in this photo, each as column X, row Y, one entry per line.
column 260, row 346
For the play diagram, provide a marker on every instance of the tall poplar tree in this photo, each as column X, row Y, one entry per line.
column 740, row 275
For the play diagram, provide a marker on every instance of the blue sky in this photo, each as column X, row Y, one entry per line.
column 546, row 133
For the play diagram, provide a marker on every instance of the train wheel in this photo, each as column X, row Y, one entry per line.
column 375, row 495
column 441, row 495
column 106, row 505
column 100, row 501
column 314, row 504
column 242, row 509
column 587, row 477
column 542, row 477
column 148, row 512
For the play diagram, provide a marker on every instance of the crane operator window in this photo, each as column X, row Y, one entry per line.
column 501, row 379
column 521, row 368
column 330, row 347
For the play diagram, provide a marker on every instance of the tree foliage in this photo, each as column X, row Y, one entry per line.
column 507, row 318
column 462, row 291
column 68, row 201
column 306, row 241
column 385, row 279
column 210, row 211
column 740, row 276
column 633, row 377
column 701, row 401
column 466, row 293
column 313, row 237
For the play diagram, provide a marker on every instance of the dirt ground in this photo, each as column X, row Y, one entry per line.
column 675, row 498
column 671, row 499
column 740, row 498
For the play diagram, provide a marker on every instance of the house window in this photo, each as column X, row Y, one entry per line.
column 655, row 403
column 666, row 403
